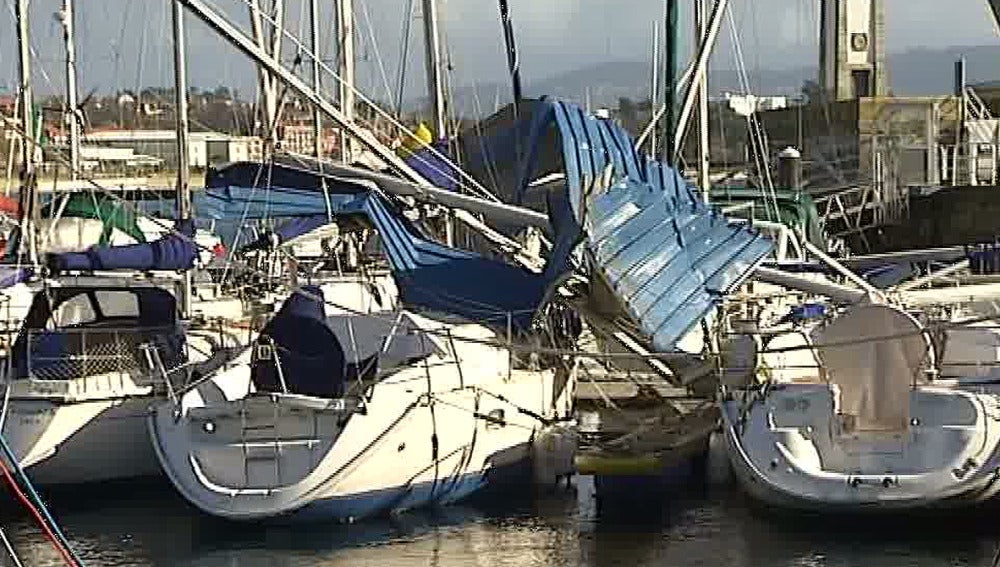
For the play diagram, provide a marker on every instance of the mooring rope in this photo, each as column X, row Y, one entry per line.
column 34, row 504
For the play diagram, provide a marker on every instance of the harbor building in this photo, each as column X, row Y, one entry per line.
column 852, row 49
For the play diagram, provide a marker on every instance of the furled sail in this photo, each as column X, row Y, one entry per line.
column 175, row 251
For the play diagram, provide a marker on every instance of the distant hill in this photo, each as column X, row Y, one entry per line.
column 911, row 73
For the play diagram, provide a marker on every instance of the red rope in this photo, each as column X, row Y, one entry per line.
column 38, row 517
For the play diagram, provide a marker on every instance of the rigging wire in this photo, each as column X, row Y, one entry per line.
column 404, row 52
column 374, row 46
column 469, row 182
column 510, row 345
column 10, row 549
column 34, row 504
column 491, row 168
column 758, row 144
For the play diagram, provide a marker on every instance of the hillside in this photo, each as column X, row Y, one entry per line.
column 911, row 73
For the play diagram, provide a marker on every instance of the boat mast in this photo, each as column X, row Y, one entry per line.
column 654, row 84
column 183, row 163
column 413, row 183
column 72, row 113
column 697, row 75
column 670, row 78
column 316, row 81
column 345, row 56
column 432, row 38
column 28, row 195
column 268, row 111
column 513, row 63
column 435, row 87
column 700, row 25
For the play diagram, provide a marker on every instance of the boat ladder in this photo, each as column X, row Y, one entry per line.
column 260, row 442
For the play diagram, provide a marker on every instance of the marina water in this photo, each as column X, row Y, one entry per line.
column 701, row 525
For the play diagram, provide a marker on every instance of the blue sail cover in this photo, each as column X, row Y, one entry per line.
column 245, row 191
column 429, row 275
column 171, row 252
column 446, row 279
column 13, row 275
column 667, row 256
column 298, row 226
column 312, row 359
column 433, row 168
column 289, row 229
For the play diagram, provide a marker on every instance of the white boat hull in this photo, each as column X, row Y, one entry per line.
column 81, row 442
column 379, row 463
column 777, row 479
column 90, row 428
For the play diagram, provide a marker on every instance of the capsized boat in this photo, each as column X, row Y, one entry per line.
column 858, row 423
column 654, row 255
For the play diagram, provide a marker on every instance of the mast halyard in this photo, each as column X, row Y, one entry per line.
column 435, row 83
column 345, row 58
column 72, row 106
column 316, row 79
column 27, row 194
column 271, row 44
column 701, row 27
column 183, row 163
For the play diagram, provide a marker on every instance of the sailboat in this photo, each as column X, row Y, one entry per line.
column 850, row 407
column 101, row 334
column 475, row 368
column 93, row 349
column 356, row 414
column 269, row 438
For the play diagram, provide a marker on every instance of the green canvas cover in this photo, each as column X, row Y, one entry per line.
column 795, row 208
column 109, row 210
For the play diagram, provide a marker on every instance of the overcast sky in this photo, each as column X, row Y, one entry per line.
column 126, row 43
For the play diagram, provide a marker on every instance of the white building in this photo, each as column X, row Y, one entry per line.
column 204, row 148
column 745, row 105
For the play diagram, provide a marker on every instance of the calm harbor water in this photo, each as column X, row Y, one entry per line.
column 147, row 524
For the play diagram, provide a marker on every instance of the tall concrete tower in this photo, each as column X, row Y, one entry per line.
column 852, row 49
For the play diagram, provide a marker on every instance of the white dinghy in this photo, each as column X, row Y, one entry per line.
column 865, row 427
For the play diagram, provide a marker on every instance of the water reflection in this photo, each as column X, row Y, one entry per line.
column 699, row 526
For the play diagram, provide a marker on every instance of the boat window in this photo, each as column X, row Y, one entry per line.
column 116, row 303
column 74, row 311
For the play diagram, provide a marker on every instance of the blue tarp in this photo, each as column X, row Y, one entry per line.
column 250, row 191
column 172, row 252
column 428, row 274
column 884, row 277
column 289, row 229
column 298, row 226
column 665, row 255
column 446, row 279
